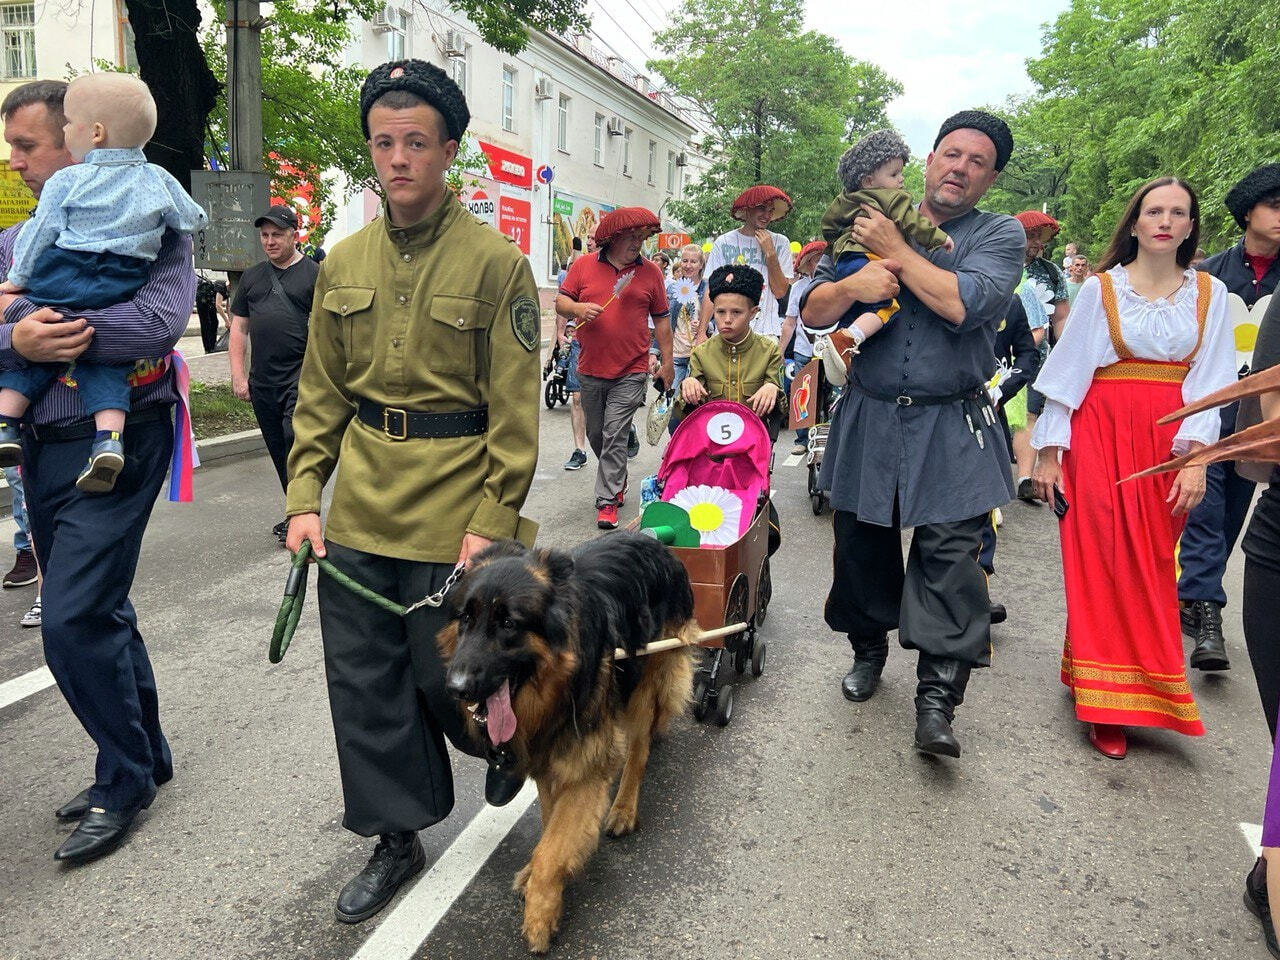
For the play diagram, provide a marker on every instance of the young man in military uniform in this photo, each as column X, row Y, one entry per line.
column 417, row 318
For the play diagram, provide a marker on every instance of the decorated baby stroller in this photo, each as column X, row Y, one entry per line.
column 813, row 401
column 713, row 511
column 555, row 372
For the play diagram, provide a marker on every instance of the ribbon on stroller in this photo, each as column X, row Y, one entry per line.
column 185, row 458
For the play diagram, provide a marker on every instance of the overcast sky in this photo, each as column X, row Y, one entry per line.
column 948, row 56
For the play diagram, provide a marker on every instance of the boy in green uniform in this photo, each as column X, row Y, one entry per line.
column 736, row 364
column 416, row 321
column 871, row 171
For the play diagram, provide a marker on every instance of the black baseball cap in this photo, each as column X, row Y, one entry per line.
column 281, row 216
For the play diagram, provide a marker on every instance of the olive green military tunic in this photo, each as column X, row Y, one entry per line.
column 438, row 316
column 736, row 371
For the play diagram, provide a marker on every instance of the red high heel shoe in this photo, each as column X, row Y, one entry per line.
column 1109, row 740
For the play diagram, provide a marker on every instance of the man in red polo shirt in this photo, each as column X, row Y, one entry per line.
column 611, row 296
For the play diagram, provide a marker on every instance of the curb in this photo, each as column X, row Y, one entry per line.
column 214, row 448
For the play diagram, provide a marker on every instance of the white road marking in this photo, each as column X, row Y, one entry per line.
column 411, row 922
column 11, row 691
column 1253, row 836
column 793, row 460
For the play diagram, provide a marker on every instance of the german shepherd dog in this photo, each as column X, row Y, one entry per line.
column 530, row 657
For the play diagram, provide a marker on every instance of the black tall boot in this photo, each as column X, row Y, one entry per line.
column 869, row 656
column 940, row 690
column 1211, row 647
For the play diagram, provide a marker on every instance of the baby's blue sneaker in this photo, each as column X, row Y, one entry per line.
column 106, row 460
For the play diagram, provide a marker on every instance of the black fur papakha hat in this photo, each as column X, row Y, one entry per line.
column 1257, row 186
column 735, row 278
column 870, row 154
column 423, row 79
column 995, row 129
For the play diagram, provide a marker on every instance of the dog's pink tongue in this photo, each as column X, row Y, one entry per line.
column 502, row 721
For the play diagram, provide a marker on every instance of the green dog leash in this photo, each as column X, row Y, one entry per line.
column 295, row 593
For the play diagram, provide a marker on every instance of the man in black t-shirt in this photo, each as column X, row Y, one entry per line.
column 269, row 312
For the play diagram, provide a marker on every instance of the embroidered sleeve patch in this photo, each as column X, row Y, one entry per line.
column 525, row 321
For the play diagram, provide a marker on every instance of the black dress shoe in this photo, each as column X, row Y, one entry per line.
column 500, row 788
column 869, row 656
column 100, row 831
column 998, row 613
column 76, row 807
column 396, row 858
column 1255, row 900
column 1210, row 652
column 933, row 734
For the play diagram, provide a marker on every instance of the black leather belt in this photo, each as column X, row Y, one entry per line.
column 400, row 424
column 85, row 429
column 907, row 400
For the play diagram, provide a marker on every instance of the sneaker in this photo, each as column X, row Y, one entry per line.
column 10, row 445
column 633, row 443
column 106, row 460
column 24, row 570
column 32, row 617
column 281, row 531
column 1027, row 491
column 607, row 517
column 576, row 461
column 998, row 518
column 799, row 449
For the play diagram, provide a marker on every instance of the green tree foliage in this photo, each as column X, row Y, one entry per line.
column 782, row 103
column 1132, row 89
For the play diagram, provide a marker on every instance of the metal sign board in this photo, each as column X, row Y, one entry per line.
column 233, row 199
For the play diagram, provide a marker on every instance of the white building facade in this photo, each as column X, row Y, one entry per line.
column 568, row 131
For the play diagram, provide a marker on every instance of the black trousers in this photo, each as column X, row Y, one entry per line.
column 88, row 546
column 939, row 604
column 391, row 712
column 1261, row 611
column 273, row 408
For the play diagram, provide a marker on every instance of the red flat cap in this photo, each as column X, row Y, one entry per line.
column 755, row 196
column 1035, row 220
column 625, row 218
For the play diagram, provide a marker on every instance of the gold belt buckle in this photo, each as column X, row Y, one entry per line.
column 404, row 423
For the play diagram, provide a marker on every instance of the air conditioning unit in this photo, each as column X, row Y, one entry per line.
column 455, row 45
column 614, row 127
column 542, row 89
column 682, row 159
column 384, row 21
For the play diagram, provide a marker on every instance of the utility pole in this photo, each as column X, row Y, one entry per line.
column 244, row 84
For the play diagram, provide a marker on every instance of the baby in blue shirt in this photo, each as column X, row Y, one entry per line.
column 90, row 244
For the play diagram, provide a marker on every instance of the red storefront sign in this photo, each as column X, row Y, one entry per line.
column 507, row 166
column 514, row 214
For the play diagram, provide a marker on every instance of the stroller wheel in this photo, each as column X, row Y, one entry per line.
column 701, row 699
column 817, row 504
column 551, row 394
column 764, row 593
column 740, row 656
column 813, row 481
column 758, row 657
column 724, row 707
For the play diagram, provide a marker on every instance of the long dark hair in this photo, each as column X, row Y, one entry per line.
column 1124, row 245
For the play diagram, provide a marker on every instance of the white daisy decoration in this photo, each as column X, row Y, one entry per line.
column 716, row 513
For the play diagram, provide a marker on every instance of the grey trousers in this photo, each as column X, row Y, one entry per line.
column 391, row 712
column 609, row 406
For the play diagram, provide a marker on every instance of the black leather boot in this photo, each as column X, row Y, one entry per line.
column 869, row 656
column 1255, row 899
column 940, row 690
column 1211, row 647
column 396, row 858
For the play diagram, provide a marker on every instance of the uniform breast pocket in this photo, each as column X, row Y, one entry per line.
column 355, row 306
column 456, row 336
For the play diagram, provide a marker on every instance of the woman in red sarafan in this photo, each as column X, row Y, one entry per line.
column 1146, row 335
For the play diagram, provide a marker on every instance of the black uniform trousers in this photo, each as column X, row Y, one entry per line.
column 939, row 605
column 1261, row 610
column 273, row 408
column 88, row 546
column 391, row 712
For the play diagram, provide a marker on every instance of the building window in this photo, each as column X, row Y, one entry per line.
column 653, row 161
column 508, row 99
column 126, row 51
column 626, row 151
column 671, row 171
column 597, row 146
column 398, row 30
column 18, row 21
column 458, row 68
column 562, row 125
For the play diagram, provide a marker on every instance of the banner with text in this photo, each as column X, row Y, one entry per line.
column 571, row 216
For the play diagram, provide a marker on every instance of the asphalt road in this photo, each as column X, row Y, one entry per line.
column 806, row 828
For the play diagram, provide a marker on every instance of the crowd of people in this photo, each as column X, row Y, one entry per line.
column 977, row 369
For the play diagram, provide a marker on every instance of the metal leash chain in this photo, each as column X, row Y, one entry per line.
column 437, row 598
